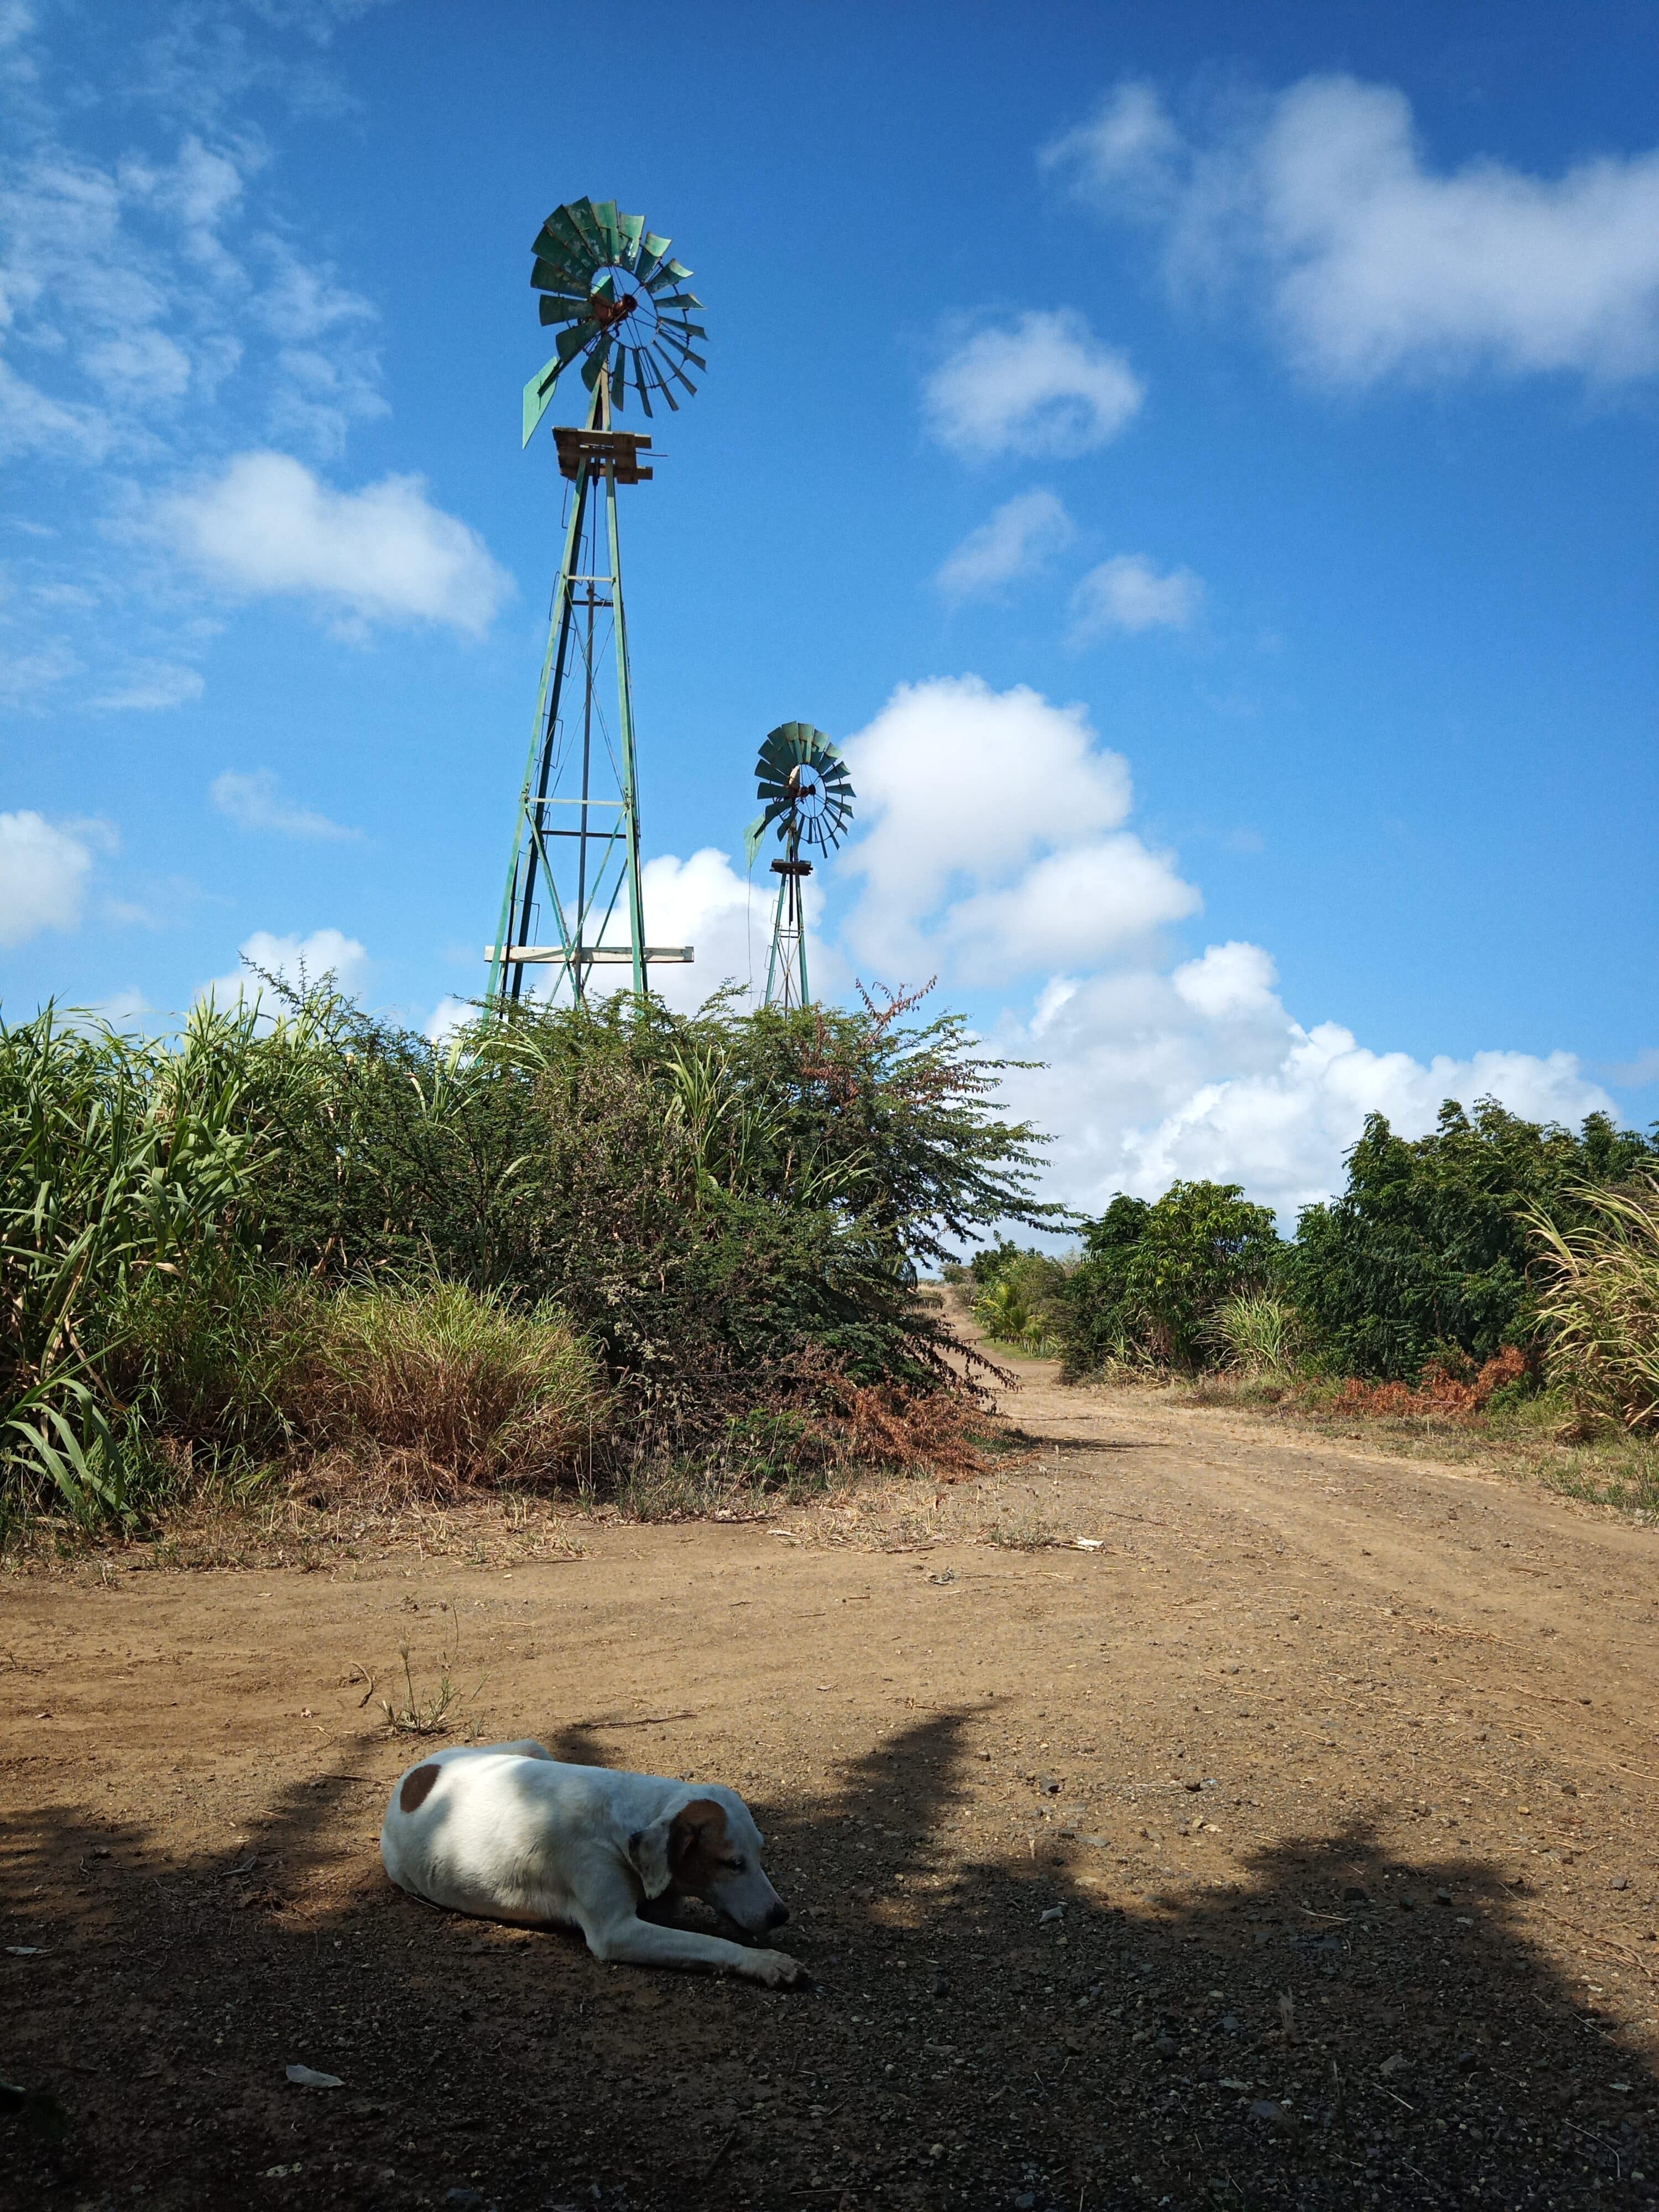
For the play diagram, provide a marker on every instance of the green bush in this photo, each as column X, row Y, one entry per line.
column 730, row 1210
column 1153, row 1275
column 1427, row 1253
column 1019, row 1297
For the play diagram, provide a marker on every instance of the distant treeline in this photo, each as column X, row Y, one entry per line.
column 1491, row 1237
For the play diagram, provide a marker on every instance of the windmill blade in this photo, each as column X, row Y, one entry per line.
column 571, row 341
column 651, row 256
column 781, row 751
column 594, row 367
column 558, row 239
column 584, row 220
column 562, row 310
column 556, row 276
column 675, row 272
column 605, row 215
column 773, row 769
column 630, row 229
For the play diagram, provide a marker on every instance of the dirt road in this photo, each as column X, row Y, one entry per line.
column 1292, row 1844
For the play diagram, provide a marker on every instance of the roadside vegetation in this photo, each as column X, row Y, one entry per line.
column 587, row 1246
column 1497, row 1277
column 676, row 1261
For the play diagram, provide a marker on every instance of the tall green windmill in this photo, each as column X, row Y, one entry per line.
column 572, row 901
column 804, row 788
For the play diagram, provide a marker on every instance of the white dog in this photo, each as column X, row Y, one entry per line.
column 509, row 1833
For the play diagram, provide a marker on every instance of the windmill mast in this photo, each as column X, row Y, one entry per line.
column 786, row 969
column 573, row 899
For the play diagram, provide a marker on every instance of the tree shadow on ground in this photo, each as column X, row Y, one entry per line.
column 994, row 2025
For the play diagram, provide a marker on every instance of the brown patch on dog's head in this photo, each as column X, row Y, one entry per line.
column 695, row 1841
column 418, row 1786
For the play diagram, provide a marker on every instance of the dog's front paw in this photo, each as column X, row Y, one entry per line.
column 776, row 1970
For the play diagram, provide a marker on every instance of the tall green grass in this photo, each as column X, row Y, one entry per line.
column 1253, row 1334
column 121, row 1161
column 1600, row 1303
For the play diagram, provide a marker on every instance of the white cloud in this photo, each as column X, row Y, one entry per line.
column 1128, row 146
column 159, row 308
column 702, row 902
column 994, row 843
column 1045, row 384
column 1204, row 1073
column 294, row 960
column 122, row 1010
column 267, row 525
column 1068, row 907
column 1018, row 541
column 1127, row 593
column 255, row 801
column 149, row 686
column 1229, row 983
column 447, row 1018
column 1636, row 1073
column 1370, row 260
column 28, row 679
column 43, row 875
column 726, row 918
column 986, row 846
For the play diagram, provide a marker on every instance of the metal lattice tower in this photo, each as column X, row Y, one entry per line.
column 573, row 879
column 803, row 780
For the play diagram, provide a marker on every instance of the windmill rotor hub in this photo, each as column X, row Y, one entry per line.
column 607, row 313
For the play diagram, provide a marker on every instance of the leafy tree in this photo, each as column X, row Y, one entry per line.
column 1152, row 1275
column 1426, row 1255
column 1020, row 1295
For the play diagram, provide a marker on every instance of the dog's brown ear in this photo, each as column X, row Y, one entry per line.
column 699, row 1830
column 649, row 1854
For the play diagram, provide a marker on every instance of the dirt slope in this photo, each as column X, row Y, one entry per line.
column 1295, row 1845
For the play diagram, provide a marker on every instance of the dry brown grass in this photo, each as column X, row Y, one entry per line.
column 433, row 1391
column 1438, row 1393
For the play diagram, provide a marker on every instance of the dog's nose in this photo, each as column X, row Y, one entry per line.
column 778, row 1915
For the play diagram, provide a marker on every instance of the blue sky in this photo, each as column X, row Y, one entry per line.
column 1199, row 461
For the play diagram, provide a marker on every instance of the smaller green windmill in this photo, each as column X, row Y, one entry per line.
column 804, row 785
